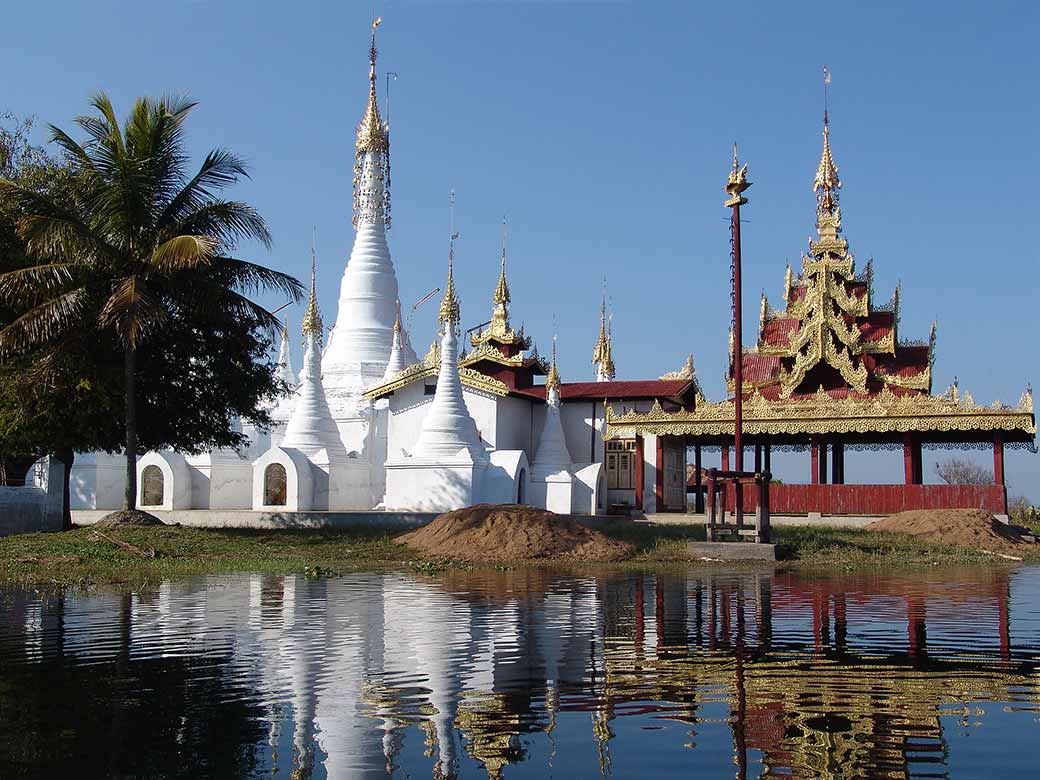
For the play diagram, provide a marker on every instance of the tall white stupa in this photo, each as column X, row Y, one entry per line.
column 360, row 343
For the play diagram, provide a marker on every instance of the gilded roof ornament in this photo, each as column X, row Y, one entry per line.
column 600, row 350
column 552, row 380
column 397, row 320
column 371, row 132
column 449, row 311
column 312, row 323
column 827, row 183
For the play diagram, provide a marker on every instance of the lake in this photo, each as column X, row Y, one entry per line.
column 527, row 674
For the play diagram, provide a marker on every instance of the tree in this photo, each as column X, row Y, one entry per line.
column 957, row 471
column 134, row 268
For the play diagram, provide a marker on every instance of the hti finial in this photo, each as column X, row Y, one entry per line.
column 312, row 323
column 371, row 133
column 501, row 297
column 449, row 311
column 552, row 379
column 737, row 181
column 826, row 183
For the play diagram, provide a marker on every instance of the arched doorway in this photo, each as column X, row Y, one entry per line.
column 152, row 486
column 275, row 485
column 521, row 487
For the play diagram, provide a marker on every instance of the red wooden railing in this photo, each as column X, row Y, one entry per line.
column 873, row 499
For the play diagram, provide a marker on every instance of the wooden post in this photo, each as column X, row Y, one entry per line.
column 710, row 519
column 838, row 463
column 814, row 457
column 638, row 465
column 758, row 458
column 823, row 463
column 998, row 465
column 908, row 459
column 998, row 458
column 768, row 459
column 698, row 501
column 659, row 477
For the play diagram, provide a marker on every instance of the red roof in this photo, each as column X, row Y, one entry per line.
column 778, row 332
column 625, row 390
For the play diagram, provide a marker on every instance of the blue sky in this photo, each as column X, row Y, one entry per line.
column 604, row 129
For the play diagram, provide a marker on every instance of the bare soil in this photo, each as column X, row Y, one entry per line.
column 127, row 517
column 489, row 532
column 963, row 527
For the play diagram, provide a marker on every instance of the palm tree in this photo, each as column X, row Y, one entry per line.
column 138, row 242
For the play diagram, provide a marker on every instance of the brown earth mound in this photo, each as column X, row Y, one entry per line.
column 489, row 532
column 964, row 527
column 125, row 517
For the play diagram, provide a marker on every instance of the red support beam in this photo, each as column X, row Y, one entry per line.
column 698, row 482
column 638, row 466
column 823, row 463
column 725, row 457
column 838, row 463
column 908, row 459
column 814, row 455
column 998, row 458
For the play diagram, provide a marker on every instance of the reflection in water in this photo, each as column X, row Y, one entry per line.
column 525, row 674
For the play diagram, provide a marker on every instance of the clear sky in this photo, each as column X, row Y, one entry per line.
column 603, row 128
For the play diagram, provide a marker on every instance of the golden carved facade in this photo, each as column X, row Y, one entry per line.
column 819, row 414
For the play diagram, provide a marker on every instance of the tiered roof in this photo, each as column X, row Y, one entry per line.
column 829, row 334
column 831, row 362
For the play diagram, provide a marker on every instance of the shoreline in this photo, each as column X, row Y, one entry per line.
column 82, row 558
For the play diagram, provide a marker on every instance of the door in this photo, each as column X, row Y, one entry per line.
column 674, row 476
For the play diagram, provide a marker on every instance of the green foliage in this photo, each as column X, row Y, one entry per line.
column 117, row 286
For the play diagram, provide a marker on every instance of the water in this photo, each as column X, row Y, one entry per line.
column 527, row 674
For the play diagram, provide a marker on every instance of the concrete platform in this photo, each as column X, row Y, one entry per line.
column 232, row 518
column 812, row 519
column 732, row 551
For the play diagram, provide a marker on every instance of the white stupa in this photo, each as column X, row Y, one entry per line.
column 552, row 455
column 398, row 359
column 283, row 368
column 311, row 428
column 448, row 430
column 552, row 471
column 360, row 343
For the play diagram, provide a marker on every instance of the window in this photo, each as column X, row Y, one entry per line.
column 274, row 485
column 152, row 486
column 621, row 464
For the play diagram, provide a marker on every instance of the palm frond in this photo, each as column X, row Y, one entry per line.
column 183, row 253
column 251, row 277
column 228, row 220
column 35, row 282
column 44, row 323
column 132, row 310
column 220, row 169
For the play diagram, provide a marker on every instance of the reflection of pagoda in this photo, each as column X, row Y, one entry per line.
column 829, row 371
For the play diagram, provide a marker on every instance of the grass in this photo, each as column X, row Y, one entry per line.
column 80, row 557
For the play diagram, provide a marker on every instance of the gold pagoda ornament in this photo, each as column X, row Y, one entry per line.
column 552, row 379
column 312, row 322
column 601, row 349
column 372, row 154
column 449, row 313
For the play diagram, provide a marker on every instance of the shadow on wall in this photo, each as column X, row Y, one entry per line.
column 37, row 506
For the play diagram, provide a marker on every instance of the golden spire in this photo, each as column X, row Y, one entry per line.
column 601, row 349
column 608, row 360
column 371, row 133
column 827, row 182
column 449, row 311
column 397, row 321
column 552, row 379
column 312, row 323
column 502, row 288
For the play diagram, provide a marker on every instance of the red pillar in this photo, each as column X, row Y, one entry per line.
column 758, row 458
column 908, row 459
column 838, row 463
column 823, row 463
column 768, row 459
column 998, row 466
column 998, row 458
column 638, row 465
column 659, row 477
column 814, row 468
column 725, row 457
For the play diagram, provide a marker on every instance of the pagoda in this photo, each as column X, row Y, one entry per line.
column 829, row 372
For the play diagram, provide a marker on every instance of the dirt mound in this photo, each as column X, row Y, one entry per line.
column 489, row 532
column 963, row 527
column 125, row 517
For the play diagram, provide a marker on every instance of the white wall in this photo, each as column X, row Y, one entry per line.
column 35, row 508
column 513, row 429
